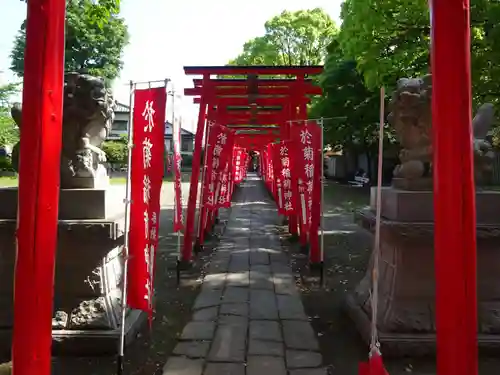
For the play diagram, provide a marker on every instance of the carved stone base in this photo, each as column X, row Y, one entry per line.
column 406, row 306
column 417, row 344
column 89, row 267
column 74, row 204
column 89, row 342
column 412, row 184
column 418, row 206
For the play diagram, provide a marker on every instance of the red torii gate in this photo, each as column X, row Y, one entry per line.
column 455, row 201
column 252, row 95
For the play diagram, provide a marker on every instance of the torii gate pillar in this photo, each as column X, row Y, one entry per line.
column 454, row 192
column 38, row 194
column 187, row 250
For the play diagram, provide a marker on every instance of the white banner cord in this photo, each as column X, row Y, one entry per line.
column 374, row 344
column 125, row 252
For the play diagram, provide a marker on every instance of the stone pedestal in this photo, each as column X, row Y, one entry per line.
column 89, row 266
column 406, row 308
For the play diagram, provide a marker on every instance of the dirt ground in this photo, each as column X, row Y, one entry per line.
column 347, row 251
column 148, row 354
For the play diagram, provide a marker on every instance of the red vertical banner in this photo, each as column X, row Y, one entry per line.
column 236, row 164
column 168, row 160
column 307, row 139
column 238, row 160
column 223, row 174
column 269, row 167
column 224, row 199
column 209, row 166
column 244, row 163
column 313, row 155
column 220, row 146
column 284, row 170
column 279, row 178
column 146, row 180
column 177, row 162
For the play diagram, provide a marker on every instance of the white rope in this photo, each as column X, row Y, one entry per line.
column 125, row 252
column 374, row 345
column 322, row 178
column 321, row 119
column 176, row 138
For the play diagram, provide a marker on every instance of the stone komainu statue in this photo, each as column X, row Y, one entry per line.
column 482, row 144
column 411, row 117
column 88, row 115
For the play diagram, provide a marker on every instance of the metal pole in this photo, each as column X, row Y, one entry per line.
column 125, row 252
column 322, row 218
column 374, row 345
column 176, row 136
column 149, row 82
column 177, row 133
column 199, row 244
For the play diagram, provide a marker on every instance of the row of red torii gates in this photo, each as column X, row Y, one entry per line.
column 454, row 192
column 259, row 110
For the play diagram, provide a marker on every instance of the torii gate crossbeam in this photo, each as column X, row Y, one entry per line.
column 207, row 93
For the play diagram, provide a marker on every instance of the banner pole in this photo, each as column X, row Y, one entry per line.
column 202, row 213
column 176, row 138
column 179, row 242
column 322, row 208
column 125, row 252
column 374, row 344
column 177, row 133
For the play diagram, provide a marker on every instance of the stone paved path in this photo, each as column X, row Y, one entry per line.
column 248, row 318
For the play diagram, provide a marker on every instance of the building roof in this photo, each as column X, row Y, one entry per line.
column 121, row 107
column 168, row 130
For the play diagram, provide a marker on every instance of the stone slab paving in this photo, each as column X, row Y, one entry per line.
column 248, row 318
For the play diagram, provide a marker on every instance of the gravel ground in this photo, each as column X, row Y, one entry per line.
column 347, row 251
column 346, row 256
column 147, row 355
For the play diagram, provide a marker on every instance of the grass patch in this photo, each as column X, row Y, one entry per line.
column 344, row 197
column 13, row 181
column 8, row 181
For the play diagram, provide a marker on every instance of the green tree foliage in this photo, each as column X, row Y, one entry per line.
column 387, row 39
column 9, row 133
column 378, row 43
column 291, row 38
column 95, row 39
column 351, row 109
column 391, row 39
column 116, row 151
column 383, row 41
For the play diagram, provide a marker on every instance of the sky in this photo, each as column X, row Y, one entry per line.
column 166, row 35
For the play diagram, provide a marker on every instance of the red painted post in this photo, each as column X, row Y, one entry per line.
column 187, row 250
column 454, row 191
column 203, row 212
column 293, row 219
column 303, row 238
column 39, row 179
